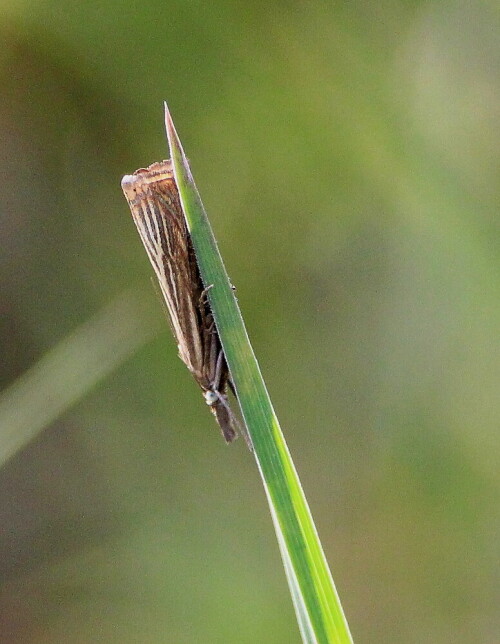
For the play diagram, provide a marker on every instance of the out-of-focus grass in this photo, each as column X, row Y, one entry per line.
column 366, row 134
column 69, row 371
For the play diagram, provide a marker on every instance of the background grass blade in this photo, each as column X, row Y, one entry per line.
column 69, row 370
column 316, row 602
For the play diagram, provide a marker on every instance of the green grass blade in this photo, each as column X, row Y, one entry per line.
column 305, row 626
column 315, row 599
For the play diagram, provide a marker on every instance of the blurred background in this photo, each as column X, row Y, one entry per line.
column 347, row 154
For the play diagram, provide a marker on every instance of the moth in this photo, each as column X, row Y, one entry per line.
column 155, row 205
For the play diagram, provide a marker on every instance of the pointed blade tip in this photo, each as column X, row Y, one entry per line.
column 167, row 112
column 174, row 141
column 169, row 124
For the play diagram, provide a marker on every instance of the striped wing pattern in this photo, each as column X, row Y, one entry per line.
column 156, row 209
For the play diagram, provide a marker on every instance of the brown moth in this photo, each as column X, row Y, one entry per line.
column 156, row 208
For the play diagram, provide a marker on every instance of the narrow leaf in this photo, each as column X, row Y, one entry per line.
column 316, row 602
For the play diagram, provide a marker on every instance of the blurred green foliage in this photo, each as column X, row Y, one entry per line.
column 347, row 154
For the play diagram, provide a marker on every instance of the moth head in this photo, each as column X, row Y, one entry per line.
column 136, row 186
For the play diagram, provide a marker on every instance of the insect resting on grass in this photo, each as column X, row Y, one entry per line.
column 156, row 208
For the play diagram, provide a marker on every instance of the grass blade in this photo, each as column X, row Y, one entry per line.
column 69, row 370
column 315, row 599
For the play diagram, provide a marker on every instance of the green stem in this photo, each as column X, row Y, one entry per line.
column 316, row 602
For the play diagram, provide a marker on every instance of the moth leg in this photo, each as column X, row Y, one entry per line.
column 218, row 371
column 207, row 327
column 204, row 309
column 207, row 317
column 203, row 298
